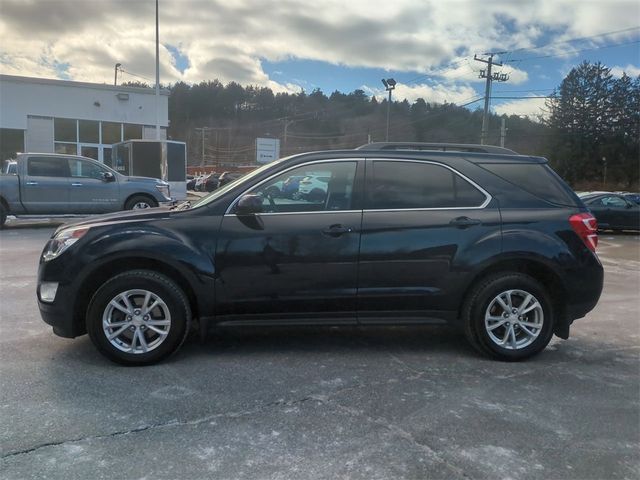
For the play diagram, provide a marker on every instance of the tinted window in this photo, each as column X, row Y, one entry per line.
column 64, row 130
column 47, row 167
column 82, row 168
column 322, row 187
column 132, row 132
column 419, row 185
column 111, row 133
column 89, row 131
column 66, row 148
column 535, row 178
column 608, row 202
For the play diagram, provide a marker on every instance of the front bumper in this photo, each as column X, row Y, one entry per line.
column 60, row 313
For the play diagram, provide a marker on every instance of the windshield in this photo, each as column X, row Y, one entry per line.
column 246, row 178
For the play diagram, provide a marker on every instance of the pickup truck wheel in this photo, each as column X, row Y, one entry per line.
column 508, row 316
column 3, row 215
column 138, row 202
column 138, row 318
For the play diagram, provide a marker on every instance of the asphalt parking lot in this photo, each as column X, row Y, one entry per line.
column 378, row 403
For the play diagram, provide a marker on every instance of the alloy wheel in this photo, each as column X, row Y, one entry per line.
column 514, row 319
column 136, row 321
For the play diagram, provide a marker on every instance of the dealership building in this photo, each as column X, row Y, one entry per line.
column 47, row 116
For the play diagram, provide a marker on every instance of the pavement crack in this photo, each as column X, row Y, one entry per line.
column 168, row 424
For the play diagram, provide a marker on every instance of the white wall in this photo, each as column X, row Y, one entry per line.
column 39, row 135
column 22, row 96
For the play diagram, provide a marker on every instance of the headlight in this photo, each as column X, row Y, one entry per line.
column 61, row 241
column 164, row 190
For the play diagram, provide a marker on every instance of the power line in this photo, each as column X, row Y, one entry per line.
column 574, row 52
column 504, row 98
column 571, row 40
column 525, row 91
column 122, row 70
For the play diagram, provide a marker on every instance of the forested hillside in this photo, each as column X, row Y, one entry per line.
column 591, row 116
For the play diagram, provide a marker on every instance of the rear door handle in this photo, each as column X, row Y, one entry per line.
column 31, row 183
column 463, row 222
column 76, row 184
column 336, row 230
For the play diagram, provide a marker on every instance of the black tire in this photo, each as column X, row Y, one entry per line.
column 3, row 215
column 478, row 301
column 140, row 199
column 160, row 285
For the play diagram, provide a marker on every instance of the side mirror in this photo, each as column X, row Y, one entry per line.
column 249, row 205
column 108, row 177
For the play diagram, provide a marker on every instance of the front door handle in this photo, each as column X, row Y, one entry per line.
column 76, row 184
column 31, row 183
column 463, row 222
column 336, row 230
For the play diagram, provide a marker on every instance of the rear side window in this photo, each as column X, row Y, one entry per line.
column 47, row 167
column 535, row 178
column 398, row 185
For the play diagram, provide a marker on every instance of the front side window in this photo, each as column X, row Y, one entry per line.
column 400, row 185
column 84, row 169
column 311, row 188
column 47, row 167
column 609, row 202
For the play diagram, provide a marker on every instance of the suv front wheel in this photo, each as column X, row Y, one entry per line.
column 138, row 318
column 508, row 316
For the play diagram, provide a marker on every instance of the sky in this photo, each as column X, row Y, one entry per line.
column 427, row 46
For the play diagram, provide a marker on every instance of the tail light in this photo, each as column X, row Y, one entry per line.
column 586, row 226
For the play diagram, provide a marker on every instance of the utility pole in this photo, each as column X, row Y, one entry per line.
column 503, row 131
column 115, row 74
column 203, row 129
column 490, row 77
column 284, row 136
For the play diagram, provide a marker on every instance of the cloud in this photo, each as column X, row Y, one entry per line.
column 437, row 93
column 229, row 39
column 529, row 107
column 630, row 70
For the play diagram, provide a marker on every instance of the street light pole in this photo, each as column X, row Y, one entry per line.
column 389, row 85
column 157, row 75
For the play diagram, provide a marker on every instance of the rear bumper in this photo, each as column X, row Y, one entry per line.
column 585, row 290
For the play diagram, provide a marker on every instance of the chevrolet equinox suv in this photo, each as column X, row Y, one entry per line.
column 474, row 236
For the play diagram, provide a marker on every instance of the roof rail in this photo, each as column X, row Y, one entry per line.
column 443, row 147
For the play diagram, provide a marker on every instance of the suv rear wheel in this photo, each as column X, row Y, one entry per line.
column 508, row 316
column 138, row 318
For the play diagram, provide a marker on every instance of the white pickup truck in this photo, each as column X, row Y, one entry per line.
column 54, row 184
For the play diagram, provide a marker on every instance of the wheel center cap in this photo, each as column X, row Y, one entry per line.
column 137, row 320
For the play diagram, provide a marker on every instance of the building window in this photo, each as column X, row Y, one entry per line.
column 132, row 132
column 89, row 131
column 11, row 142
column 67, row 148
column 111, row 133
column 65, row 130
